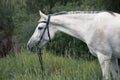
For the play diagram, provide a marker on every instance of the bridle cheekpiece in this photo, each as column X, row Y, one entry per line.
column 46, row 28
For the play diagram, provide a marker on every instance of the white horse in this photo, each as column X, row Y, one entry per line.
column 99, row 30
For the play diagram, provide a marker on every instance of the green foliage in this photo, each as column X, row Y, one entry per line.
column 47, row 5
column 24, row 27
column 25, row 66
column 33, row 6
column 68, row 7
column 5, row 16
column 24, row 17
column 92, row 5
column 64, row 45
column 7, row 8
column 112, row 5
column 26, row 21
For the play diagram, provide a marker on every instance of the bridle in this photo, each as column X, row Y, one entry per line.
column 37, row 45
column 46, row 28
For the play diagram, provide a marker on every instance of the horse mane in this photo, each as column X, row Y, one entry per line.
column 76, row 12
column 80, row 12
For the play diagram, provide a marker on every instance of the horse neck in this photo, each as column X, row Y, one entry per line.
column 74, row 25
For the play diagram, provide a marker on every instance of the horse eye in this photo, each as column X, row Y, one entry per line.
column 40, row 28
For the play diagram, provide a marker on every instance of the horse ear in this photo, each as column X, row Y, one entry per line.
column 42, row 15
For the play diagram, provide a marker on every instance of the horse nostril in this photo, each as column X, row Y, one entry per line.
column 32, row 48
column 28, row 46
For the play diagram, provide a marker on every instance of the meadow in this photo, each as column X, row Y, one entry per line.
column 25, row 66
column 18, row 20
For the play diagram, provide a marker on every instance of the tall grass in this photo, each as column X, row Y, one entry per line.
column 25, row 66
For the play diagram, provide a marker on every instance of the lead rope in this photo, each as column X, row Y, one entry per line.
column 39, row 50
column 41, row 63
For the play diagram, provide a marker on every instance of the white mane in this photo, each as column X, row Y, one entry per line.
column 79, row 12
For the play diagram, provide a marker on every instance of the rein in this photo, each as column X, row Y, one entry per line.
column 39, row 50
column 41, row 63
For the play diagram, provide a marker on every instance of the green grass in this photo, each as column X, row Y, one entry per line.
column 25, row 66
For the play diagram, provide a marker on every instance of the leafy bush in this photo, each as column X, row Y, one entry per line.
column 26, row 21
column 25, row 28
